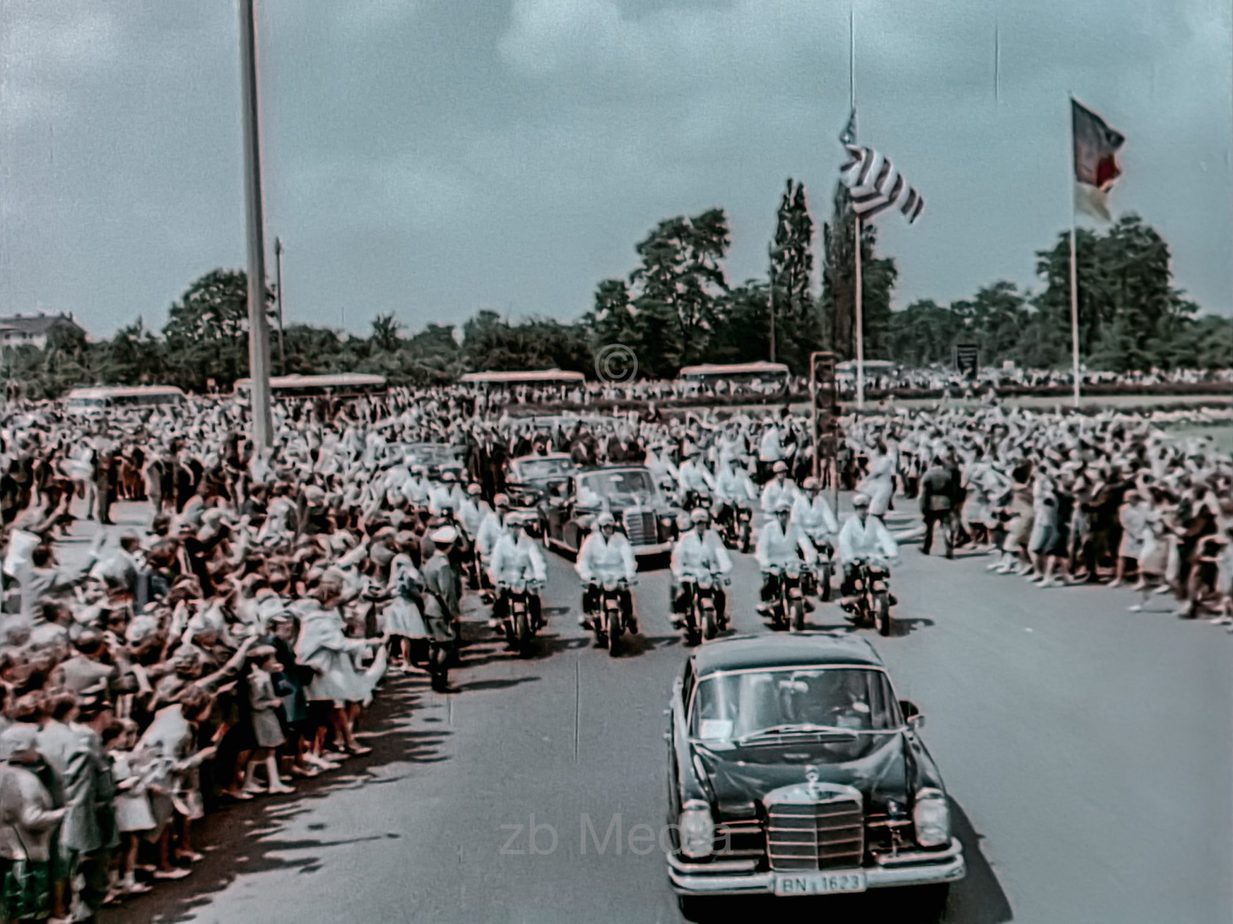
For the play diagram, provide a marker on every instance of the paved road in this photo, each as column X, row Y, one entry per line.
column 1087, row 749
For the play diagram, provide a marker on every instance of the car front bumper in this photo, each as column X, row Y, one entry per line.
column 742, row 877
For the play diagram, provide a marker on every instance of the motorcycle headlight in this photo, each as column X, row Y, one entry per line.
column 697, row 830
column 931, row 816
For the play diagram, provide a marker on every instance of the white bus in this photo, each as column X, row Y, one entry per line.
column 551, row 377
column 341, row 385
column 764, row 376
column 100, row 398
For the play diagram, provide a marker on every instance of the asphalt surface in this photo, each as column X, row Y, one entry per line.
column 1088, row 752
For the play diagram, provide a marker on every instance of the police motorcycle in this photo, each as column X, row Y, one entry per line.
column 519, row 623
column 702, row 616
column 608, row 618
column 816, row 581
column 735, row 521
column 870, row 595
column 787, row 609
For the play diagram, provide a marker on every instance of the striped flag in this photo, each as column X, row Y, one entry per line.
column 876, row 185
column 1096, row 168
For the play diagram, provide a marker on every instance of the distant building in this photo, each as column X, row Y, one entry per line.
column 33, row 329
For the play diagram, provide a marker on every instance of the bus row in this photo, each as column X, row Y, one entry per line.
column 774, row 376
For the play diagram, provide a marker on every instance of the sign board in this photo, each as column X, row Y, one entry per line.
column 967, row 358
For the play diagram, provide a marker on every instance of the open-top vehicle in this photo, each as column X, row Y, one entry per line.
column 628, row 492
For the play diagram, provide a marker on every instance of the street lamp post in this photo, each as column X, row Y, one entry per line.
column 258, row 331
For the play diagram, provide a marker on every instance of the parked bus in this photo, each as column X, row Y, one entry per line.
column 762, row 376
column 529, row 377
column 341, row 385
column 97, row 399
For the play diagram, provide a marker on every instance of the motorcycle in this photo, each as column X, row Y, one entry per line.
column 609, row 619
column 736, row 527
column 816, row 581
column 703, row 620
column 518, row 624
column 871, row 583
column 788, row 608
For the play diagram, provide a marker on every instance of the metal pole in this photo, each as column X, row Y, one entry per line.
column 278, row 275
column 859, row 320
column 1074, row 312
column 771, row 254
column 258, row 333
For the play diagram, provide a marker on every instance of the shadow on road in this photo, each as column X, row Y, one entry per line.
column 242, row 839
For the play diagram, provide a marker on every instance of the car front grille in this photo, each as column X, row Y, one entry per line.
column 640, row 527
column 742, row 839
column 820, row 835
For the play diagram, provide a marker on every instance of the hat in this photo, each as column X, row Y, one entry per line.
column 18, row 738
column 448, row 476
column 446, row 535
column 605, row 519
column 699, row 515
column 860, row 500
column 810, row 484
column 474, row 490
column 518, row 519
column 783, row 505
column 779, row 466
column 501, row 500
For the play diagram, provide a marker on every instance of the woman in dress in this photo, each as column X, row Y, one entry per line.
column 879, row 484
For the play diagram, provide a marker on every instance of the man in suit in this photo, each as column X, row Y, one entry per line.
column 937, row 505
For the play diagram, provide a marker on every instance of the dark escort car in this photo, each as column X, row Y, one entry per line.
column 795, row 771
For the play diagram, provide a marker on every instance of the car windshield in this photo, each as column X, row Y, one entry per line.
column 430, row 454
column 535, row 469
column 749, row 704
column 612, row 485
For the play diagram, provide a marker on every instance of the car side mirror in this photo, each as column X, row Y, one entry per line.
column 911, row 713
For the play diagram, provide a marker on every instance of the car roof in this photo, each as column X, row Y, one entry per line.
column 598, row 469
column 799, row 649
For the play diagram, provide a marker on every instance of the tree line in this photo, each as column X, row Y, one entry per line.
column 677, row 306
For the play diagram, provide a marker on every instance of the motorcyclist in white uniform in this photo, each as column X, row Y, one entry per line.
column 515, row 557
column 698, row 551
column 606, row 553
column 779, row 488
column 782, row 545
column 864, row 537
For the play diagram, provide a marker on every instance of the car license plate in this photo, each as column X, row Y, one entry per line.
column 820, row 883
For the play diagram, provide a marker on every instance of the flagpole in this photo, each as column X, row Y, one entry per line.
column 859, row 319
column 1074, row 310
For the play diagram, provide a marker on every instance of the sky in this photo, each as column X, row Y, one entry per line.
column 431, row 158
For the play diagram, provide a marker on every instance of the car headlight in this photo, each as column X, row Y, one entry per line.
column 931, row 817
column 697, row 830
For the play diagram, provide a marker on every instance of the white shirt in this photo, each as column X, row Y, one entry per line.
column 694, row 476
column 733, row 484
column 814, row 517
column 695, row 553
column 491, row 528
column 513, row 560
column 599, row 557
column 777, row 546
column 870, row 539
column 774, row 492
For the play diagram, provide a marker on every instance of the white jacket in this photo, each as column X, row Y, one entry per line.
column 491, row 529
column 735, row 485
column 779, row 547
column 445, row 495
column 600, row 557
column 770, row 448
column 513, row 560
column 695, row 553
column 694, row 476
column 814, row 517
column 868, row 540
column 773, row 493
